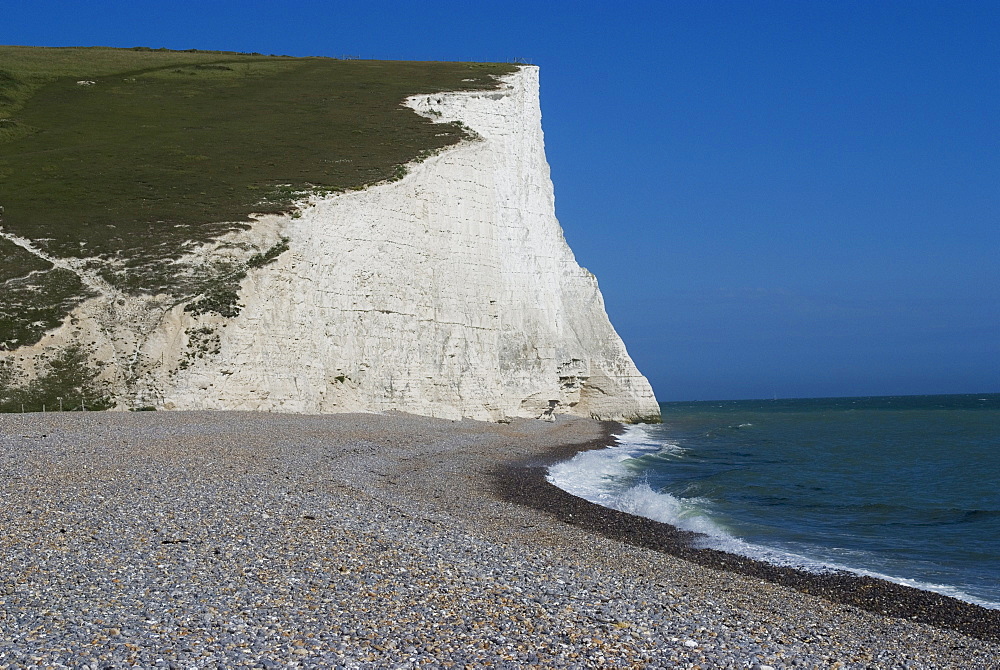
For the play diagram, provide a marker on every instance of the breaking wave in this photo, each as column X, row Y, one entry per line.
column 616, row 477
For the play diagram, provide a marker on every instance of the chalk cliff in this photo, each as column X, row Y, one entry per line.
column 449, row 293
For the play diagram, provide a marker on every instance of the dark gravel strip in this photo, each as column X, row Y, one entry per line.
column 524, row 483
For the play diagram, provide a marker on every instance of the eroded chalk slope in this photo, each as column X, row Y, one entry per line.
column 450, row 292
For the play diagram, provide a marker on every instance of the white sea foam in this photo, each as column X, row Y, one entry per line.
column 604, row 477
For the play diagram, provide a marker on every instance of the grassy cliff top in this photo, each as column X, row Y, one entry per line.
column 124, row 157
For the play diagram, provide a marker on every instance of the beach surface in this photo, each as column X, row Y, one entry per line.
column 225, row 539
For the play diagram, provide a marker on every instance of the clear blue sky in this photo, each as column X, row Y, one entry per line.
column 794, row 198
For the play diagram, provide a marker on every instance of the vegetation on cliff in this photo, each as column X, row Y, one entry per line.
column 66, row 381
column 117, row 163
column 121, row 160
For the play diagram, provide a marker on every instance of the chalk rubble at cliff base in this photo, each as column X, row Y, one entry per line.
column 218, row 539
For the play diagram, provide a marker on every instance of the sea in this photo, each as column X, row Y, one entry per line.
column 904, row 488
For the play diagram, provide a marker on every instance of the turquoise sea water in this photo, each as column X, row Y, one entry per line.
column 905, row 488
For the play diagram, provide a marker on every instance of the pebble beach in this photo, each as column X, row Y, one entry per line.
column 227, row 539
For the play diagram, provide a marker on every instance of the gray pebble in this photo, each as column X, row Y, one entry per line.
column 217, row 539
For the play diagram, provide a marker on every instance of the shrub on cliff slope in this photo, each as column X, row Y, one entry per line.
column 67, row 380
column 8, row 385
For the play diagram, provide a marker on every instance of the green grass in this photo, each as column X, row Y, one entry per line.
column 166, row 148
column 37, row 302
column 16, row 262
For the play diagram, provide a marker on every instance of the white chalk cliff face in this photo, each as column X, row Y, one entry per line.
column 450, row 293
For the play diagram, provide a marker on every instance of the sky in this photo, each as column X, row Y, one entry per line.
column 779, row 199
